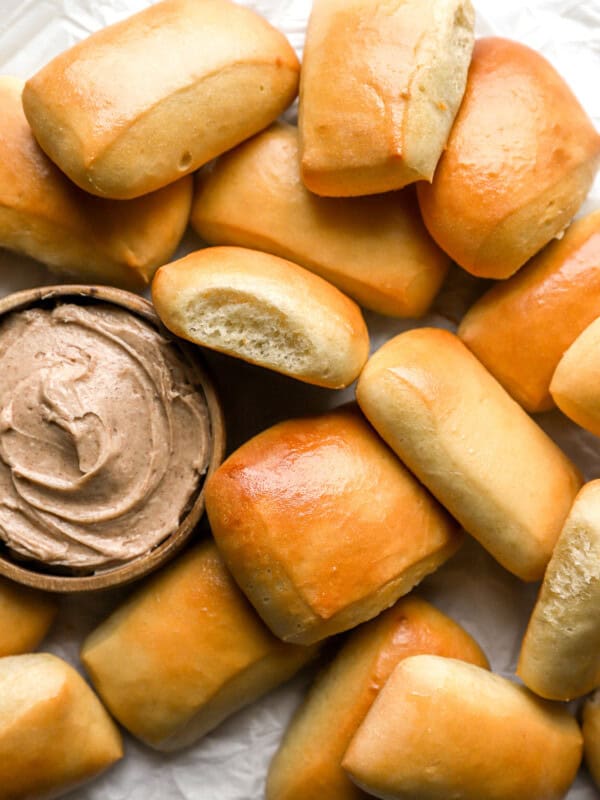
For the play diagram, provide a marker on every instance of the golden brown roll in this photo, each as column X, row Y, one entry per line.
column 54, row 732
column 474, row 448
column 376, row 249
column 560, row 655
column 591, row 735
column 322, row 526
column 25, row 617
column 575, row 386
column 143, row 102
column 185, row 652
column 43, row 215
column 307, row 765
column 381, row 84
column 265, row 310
column 521, row 328
column 442, row 728
column 520, row 160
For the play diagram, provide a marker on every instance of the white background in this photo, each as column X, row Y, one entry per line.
column 230, row 764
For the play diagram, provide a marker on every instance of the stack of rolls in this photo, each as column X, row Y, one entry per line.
column 375, row 249
column 416, row 147
column 130, row 140
column 308, row 764
column 444, row 728
column 45, row 216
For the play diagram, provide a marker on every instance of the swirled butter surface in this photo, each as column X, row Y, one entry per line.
column 103, row 437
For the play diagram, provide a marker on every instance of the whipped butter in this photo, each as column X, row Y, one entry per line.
column 103, row 437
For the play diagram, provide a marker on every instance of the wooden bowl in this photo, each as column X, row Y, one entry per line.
column 53, row 579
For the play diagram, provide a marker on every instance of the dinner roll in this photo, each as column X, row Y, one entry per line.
column 43, row 215
column 143, row 102
column 322, row 526
column 474, row 448
column 381, row 84
column 25, row 617
column 184, row 652
column 591, row 735
column 265, row 310
column 54, row 733
column 575, row 384
column 521, row 328
column 442, row 728
column 560, row 656
column 521, row 158
column 376, row 249
column 307, row 765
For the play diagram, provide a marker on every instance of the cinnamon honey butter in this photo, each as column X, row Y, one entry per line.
column 103, row 436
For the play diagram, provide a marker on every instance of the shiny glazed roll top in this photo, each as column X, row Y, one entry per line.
column 322, row 526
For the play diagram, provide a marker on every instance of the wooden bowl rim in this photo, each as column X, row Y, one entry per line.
column 166, row 550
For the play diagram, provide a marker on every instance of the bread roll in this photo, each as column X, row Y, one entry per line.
column 381, row 84
column 54, row 733
column 442, row 728
column 322, row 526
column 575, row 385
column 520, row 160
column 560, row 656
column 308, row 763
column 185, row 652
column 25, row 617
column 44, row 216
column 143, row 102
column 591, row 736
column 520, row 329
column 376, row 249
column 474, row 448
column 266, row 311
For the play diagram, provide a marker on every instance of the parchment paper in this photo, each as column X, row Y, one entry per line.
column 230, row 764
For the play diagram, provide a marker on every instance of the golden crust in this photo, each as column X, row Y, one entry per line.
column 375, row 249
column 122, row 116
column 520, row 160
column 475, row 449
column 443, row 728
column 520, row 329
column 54, row 732
column 307, row 765
column 185, row 652
column 322, row 526
column 560, row 655
column 25, row 617
column 376, row 108
column 45, row 216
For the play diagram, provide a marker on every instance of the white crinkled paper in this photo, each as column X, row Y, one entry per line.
column 230, row 764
